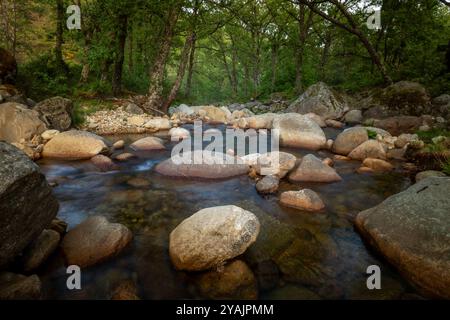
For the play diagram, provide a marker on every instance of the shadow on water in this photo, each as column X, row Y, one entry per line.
column 298, row 255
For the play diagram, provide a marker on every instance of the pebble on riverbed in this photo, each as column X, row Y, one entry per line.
column 94, row 241
column 305, row 199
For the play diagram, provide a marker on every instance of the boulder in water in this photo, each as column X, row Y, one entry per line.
column 299, row 132
column 74, row 145
column 312, row 169
column 27, row 205
column 411, row 230
column 211, row 237
column 95, row 240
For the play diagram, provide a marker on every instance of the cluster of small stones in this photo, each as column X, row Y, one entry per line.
column 119, row 121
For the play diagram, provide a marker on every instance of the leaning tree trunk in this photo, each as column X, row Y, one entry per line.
column 120, row 55
column 60, row 64
column 190, row 68
column 87, row 34
column 155, row 92
column 180, row 74
column 274, row 53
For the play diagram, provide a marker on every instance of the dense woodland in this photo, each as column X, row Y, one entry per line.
column 211, row 51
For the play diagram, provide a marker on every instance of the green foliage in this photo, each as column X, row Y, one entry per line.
column 372, row 134
column 427, row 136
column 446, row 166
column 256, row 42
column 40, row 79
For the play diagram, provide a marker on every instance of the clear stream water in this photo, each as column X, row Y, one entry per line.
column 299, row 255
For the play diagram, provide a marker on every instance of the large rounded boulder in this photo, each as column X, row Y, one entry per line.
column 275, row 163
column 17, row 122
column 94, row 241
column 203, row 165
column 411, row 230
column 211, row 237
column 27, row 205
column 349, row 139
column 75, row 145
column 56, row 112
column 299, row 131
column 321, row 100
column 312, row 169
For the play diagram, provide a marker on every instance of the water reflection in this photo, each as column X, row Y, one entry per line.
column 298, row 255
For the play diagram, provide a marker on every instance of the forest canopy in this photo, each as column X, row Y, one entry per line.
column 212, row 51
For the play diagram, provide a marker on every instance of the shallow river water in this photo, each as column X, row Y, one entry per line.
column 300, row 255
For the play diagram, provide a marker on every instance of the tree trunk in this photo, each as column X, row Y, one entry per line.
column 180, row 74
column 87, row 34
column 191, row 68
column 234, row 75
column 120, row 55
column 155, row 92
column 130, row 50
column 304, row 24
column 60, row 64
column 324, row 57
column 274, row 66
column 104, row 73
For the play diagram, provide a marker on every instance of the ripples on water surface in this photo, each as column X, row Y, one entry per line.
column 325, row 258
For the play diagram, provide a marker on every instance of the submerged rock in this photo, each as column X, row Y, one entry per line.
column 312, row 169
column 411, row 230
column 104, row 163
column 378, row 165
column 305, row 199
column 74, row 145
column 40, row 249
column 95, row 240
column 27, row 205
column 212, row 236
column 19, row 287
column 299, row 132
column 125, row 157
column 275, row 163
column 234, row 281
column 268, row 185
column 125, row 291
